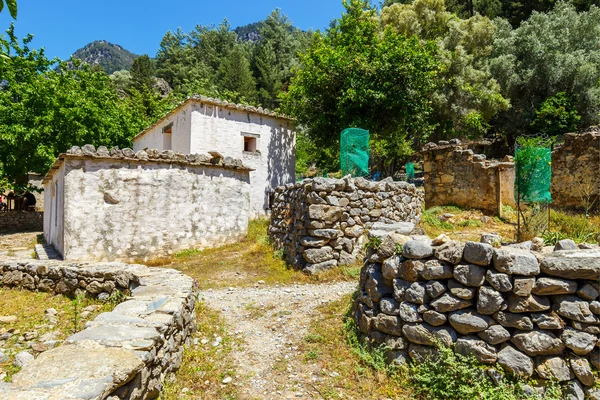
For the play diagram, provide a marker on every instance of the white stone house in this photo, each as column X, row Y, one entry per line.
column 264, row 140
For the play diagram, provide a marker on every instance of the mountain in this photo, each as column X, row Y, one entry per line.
column 250, row 32
column 111, row 57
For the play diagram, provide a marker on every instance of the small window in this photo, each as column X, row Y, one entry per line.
column 167, row 135
column 249, row 144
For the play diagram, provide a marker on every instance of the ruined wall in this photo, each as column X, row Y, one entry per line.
column 21, row 221
column 455, row 175
column 122, row 354
column 576, row 171
column 127, row 206
column 532, row 313
column 320, row 223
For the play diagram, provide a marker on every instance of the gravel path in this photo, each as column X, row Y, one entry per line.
column 273, row 321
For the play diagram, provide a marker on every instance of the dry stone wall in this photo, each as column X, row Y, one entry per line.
column 456, row 175
column 534, row 314
column 321, row 223
column 122, row 354
column 21, row 221
column 575, row 171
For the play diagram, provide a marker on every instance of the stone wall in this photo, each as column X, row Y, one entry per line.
column 455, row 175
column 320, row 223
column 535, row 314
column 122, row 354
column 575, row 171
column 21, row 221
column 118, row 205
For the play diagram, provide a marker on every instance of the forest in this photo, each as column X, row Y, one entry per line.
column 408, row 71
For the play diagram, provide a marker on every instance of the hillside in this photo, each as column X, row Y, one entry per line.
column 111, row 57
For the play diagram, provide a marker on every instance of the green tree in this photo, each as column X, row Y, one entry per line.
column 11, row 5
column 549, row 53
column 356, row 76
column 236, row 76
column 142, row 73
column 469, row 97
column 44, row 111
column 556, row 115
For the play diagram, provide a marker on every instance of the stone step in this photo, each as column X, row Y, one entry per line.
column 46, row 252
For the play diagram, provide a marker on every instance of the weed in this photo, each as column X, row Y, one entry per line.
column 188, row 253
column 76, row 304
column 313, row 338
column 398, row 248
column 313, row 354
column 572, row 226
column 373, row 243
column 470, row 223
column 279, row 254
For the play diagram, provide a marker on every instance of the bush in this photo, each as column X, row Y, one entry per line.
column 576, row 227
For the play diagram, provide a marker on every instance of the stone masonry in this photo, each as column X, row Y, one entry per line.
column 455, row 175
column 535, row 314
column 321, row 223
column 21, row 221
column 122, row 354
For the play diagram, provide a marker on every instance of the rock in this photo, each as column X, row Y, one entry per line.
column 316, row 256
column 538, row 343
column 574, row 391
column 573, row 264
column 440, row 240
column 391, row 267
column 402, row 228
column 447, row 303
column 354, row 231
column 22, row 358
column 451, row 252
column 565, row 244
column 574, row 308
column 388, row 324
column 514, row 362
column 495, row 334
column 537, row 244
column 416, row 293
column 522, row 286
column 533, row 303
column 426, row 334
column 553, row 286
column 491, row 239
column 376, row 287
column 389, row 306
column 468, row 321
column 435, row 269
column 408, row 312
column 396, row 357
column 595, row 307
column 417, row 249
column 594, row 357
column 3, row 358
column 226, row 380
column 434, row 318
column 8, row 319
column 325, row 212
column 409, row 270
column 515, row 261
column 310, row 241
column 312, row 269
column 509, row 320
column 435, row 289
column 588, row 292
column 499, row 281
column 421, row 354
column 580, row 342
column 390, row 244
column 400, row 286
column 461, row 291
column 489, row 301
column 548, row 320
column 469, row 274
column 88, row 150
column 592, row 393
column 478, row 253
column 554, row 368
column 483, row 352
column 582, row 370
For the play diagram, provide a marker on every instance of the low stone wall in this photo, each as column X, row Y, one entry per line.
column 21, row 221
column 455, row 175
column 532, row 313
column 122, row 354
column 575, row 177
column 320, row 223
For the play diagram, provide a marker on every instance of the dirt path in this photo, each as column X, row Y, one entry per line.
column 17, row 246
column 273, row 321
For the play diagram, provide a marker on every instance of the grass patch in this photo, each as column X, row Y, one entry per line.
column 578, row 227
column 246, row 263
column 205, row 366
column 29, row 308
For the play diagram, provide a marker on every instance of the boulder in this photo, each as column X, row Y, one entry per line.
column 325, row 233
column 489, row 301
column 389, row 306
column 478, row 253
column 451, row 252
column 468, row 321
column 580, row 342
column 515, row 261
column 554, row 368
column 388, row 324
column 538, row 343
column 312, row 269
column 532, row 303
column 416, row 293
column 399, row 288
column 435, row 269
column 499, row 281
column 573, row 264
column 574, row 308
column 588, row 292
column 553, row 286
column 495, row 334
column 417, row 249
column 426, row 334
column 582, row 370
column 469, row 274
column 574, row 391
column 316, row 256
column 565, row 244
column 514, row 362
column 410, row 269
column 376, row 287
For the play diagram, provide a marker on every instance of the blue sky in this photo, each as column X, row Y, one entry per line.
column 64, row 26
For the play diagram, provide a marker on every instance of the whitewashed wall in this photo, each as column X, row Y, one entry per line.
column 221, row 129
column 54, row 196
column 124, row 210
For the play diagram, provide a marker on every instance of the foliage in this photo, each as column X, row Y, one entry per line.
column 356, row 76
column 373, row 243
column 571, row 226
column 556, row 115
column 469, row 97
column 11, row 5
column 142, row 73
column 235, row 75
column 110, row 57
column 45, row 111
column 548, row 54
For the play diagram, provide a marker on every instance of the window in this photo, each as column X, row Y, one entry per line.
column 250, row 142
column 167, row 134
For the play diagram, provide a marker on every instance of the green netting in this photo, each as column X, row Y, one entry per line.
column 410, row 170
column 533, row 173
column 354, row 152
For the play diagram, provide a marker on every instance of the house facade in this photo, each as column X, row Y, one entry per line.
column 265, row 141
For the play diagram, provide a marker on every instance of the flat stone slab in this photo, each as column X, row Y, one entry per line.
column 114, row 335
column 573, row 264
column 403, row 228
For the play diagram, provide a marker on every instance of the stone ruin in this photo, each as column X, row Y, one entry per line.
column 122, row 354
column 535, row 313
column 321, row 223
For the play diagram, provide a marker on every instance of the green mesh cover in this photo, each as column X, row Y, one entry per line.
column 533, row 173
column 410, row 170
column 354, row 152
